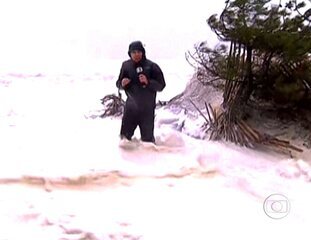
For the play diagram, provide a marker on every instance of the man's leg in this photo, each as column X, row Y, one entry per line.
column 146, row 125
column 129, row 123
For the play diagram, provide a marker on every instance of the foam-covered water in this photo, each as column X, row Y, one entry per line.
column 63, row 175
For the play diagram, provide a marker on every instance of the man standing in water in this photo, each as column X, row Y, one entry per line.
column 141, row 79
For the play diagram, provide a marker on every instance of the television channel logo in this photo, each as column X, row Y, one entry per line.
column 276, row 206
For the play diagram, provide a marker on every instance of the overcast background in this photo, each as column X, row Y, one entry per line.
column 66, row 35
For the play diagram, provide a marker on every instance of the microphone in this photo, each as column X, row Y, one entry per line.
column 140, row 70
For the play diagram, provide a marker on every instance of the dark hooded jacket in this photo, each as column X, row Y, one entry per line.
column 138, row 95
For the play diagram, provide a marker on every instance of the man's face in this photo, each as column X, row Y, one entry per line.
column 136, row 55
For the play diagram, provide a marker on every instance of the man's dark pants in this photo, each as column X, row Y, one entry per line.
column 141, row 117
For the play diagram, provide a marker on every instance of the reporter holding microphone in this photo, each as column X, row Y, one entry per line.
column 141, row 79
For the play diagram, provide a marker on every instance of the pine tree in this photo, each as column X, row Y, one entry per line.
column 276, row 39
column 270, row 47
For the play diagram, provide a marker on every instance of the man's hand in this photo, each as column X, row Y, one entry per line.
column 143, row 79
column 125, row 81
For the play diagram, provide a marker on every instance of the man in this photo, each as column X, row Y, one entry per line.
column 141, row 79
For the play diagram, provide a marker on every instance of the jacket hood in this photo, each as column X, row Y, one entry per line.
column 137, row 45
